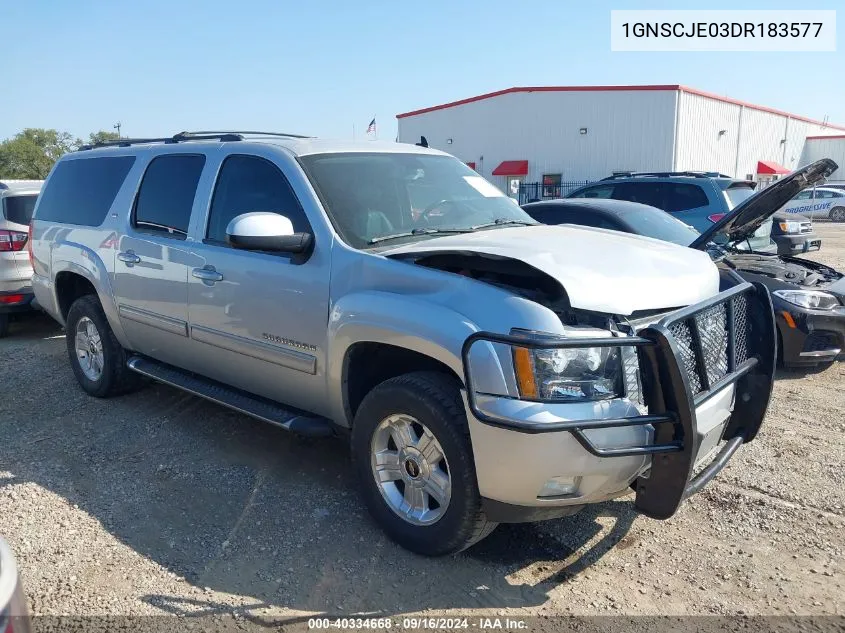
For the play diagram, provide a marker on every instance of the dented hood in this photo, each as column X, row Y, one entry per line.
column 604, row 271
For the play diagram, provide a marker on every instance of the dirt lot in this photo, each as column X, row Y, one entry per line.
column 159, row 502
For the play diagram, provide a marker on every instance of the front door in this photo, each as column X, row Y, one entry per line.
column 258, row 321
column 152, row 259
column 513, row 187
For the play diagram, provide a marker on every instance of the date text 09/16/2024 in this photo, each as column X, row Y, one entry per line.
column 421, row 623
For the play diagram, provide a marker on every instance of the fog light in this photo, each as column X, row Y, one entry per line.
column 559, row 486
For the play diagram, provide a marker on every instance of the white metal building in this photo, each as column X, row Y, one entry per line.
column 833, row 147
column 556, row 134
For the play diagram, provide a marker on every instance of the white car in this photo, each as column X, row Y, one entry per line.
column 821, row 202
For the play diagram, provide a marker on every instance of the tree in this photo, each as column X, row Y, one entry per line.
column 30, row 154
column 101, row 137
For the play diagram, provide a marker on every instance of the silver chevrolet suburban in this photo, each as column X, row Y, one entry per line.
column 484, row 368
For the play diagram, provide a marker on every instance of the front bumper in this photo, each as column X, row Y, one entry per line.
column 518, row 445
column 809, row 337
column 797, row 244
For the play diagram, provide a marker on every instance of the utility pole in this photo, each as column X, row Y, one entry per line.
column 116, row 126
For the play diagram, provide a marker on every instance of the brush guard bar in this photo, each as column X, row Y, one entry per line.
column 679, row 372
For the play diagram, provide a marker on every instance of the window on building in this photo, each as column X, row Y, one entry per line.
column 250, row 183
column 167, row 192
column 551, row 185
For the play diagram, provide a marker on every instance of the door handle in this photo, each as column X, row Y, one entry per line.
column 207, row 274
column 129, row 258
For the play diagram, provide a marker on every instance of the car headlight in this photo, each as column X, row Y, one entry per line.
column 790, row 227
column 810, row 299
column 571, row 374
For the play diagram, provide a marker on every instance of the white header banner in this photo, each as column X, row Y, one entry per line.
column 711, row 30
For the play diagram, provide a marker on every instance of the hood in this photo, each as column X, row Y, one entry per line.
column 600, row 270
column 749, row 214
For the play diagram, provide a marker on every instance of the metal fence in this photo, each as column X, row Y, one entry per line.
column 535, row 191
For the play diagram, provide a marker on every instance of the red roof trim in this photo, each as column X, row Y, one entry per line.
column 512, row 168
column 648, row 88
column 812, row 138
column 766, row 167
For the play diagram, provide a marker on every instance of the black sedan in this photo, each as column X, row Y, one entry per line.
column 809, row 298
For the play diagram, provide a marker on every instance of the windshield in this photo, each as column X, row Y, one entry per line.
column 660, row 225
column 737, row 193
column 372, row 198
column 18, row 209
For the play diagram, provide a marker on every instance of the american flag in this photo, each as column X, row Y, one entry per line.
column 372, row 126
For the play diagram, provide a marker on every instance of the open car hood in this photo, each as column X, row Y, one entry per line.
column 749, row 214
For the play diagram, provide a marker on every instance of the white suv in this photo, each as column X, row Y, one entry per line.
column 17, row 200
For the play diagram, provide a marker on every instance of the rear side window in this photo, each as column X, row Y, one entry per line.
column 81, row 191
column 18, row 209
column 650, row 193
column 166, row 195
column 680, row 197
column 250, row 183
column 602, row 191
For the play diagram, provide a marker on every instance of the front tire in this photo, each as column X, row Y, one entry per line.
column 837, row 214
column 412, row 454
column 96, row 357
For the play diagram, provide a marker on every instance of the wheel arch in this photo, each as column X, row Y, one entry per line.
column 72, row 280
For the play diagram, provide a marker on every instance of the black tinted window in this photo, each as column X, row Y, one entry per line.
column 81, row 191
column 680, row 197
column 650, row 193
column 601, row 191
column 249, row 183
column 167, row 194
column 18, row 209
column 567, row 215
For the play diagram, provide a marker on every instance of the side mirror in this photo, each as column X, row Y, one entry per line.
column 265, row 231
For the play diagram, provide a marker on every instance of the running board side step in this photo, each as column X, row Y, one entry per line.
column 293, row 420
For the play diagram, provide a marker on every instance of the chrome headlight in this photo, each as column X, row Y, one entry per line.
column 571, row 374
column 810, row 299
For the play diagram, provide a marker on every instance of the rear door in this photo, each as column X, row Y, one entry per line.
column 153, row 258
column 258, row 320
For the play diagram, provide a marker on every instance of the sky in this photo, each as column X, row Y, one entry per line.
column 321, row 67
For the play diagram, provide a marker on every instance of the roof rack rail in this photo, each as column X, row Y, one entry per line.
column 193, row 135
column 666, row 174
column 176, row 138
column 202, row 135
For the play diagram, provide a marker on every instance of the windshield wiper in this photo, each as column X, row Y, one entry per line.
column 503, row 222
column 413, row 232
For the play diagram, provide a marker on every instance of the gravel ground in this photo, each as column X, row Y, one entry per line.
column 159, row 502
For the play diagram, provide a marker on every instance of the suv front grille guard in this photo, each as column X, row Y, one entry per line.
column 685, row 358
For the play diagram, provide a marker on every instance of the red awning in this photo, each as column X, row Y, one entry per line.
column 512, row 168
column 767, row 167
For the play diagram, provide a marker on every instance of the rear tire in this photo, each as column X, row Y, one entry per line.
column 4, row 325
column 97, row 359
column 837, row 214
column 432, row 403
